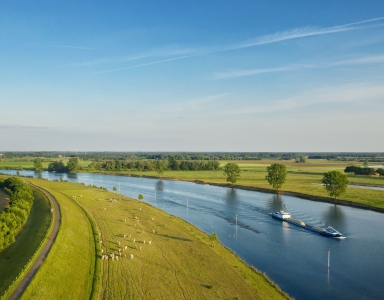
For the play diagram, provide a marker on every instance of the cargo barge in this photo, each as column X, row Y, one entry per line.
column 329, row 231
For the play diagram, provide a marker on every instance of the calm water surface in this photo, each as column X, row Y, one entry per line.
column 295, row 258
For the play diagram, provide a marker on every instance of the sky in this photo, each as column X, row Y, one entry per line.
column 248, row 76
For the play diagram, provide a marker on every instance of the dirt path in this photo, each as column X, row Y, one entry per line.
column 3, row 200
column 40, row 259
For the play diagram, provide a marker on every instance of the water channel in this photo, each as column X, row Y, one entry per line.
column 294, row 258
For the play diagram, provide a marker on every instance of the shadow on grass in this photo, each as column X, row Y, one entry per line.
column 209, row 287
column 175, row 237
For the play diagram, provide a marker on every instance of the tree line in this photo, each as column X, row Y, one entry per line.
column 14, row 216
column 154, row 165
column 363, row 170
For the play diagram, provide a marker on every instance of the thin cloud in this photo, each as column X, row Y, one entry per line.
column 63, row 46
column 360, row 61
column 258, row 41
column 353, row 94
column 242, row 73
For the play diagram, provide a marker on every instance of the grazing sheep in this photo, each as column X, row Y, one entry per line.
column 140, row 248
column 102, row 250
column 129, row 236
column 100, row 242
column 134, row 240
column 144, row 241
column 125, row 220
column 140, row 208
column 131, row 256
column 125, row 248
column 153, row 219
column 117, row 258
column 153, row 230
column 105, row 208
column 150, row 242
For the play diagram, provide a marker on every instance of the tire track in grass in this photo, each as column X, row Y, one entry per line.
column 174, row 271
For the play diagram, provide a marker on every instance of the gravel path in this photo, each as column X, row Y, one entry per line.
column 40, row 259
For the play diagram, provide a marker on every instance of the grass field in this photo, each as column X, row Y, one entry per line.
column 181, row 261
column 16, row 256
column 68, row 271
column 29, row 164
column 304, row 178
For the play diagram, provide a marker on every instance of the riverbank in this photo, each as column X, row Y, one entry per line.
column 368, row 203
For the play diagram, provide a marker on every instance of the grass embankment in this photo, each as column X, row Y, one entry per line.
column 181, row 262
column 302, row 178
column 14, row 258
column 68, row 271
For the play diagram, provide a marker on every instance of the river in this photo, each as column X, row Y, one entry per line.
column 294, row 258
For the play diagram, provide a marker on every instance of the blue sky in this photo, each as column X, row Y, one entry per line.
column 192, row 76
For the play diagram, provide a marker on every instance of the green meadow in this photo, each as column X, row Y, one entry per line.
column 179, row 262
column 29, row 164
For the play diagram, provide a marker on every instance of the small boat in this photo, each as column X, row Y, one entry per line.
column 286, row 216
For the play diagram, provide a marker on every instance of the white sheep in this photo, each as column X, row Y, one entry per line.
column 131, row 256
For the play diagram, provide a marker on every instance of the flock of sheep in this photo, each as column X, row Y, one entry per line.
column 120, row 250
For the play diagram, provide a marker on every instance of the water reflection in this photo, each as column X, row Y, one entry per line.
column 231, row 197
column 72, row 176
column 275, row 203
column 334, row 215
column 160, row 185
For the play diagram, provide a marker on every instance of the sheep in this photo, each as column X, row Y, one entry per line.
column 117, row 258
column 131, row 256
column 153, row 230
column 150, row 242
column 140, row 248
column 102, row 250
column 125, row 220
column 140, row 208
column 144, row 242
column 153, row 219
column 134, row 240
column 125, row 248
column 100, row 242
column 129, row 236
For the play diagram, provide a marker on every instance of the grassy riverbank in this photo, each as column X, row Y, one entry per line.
column 302, row 178
column 68, row 271
column 14, row 258
column 180, row 262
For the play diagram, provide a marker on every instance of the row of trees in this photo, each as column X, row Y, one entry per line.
column 334, row 182
column 157, row 165
column 363, row 170
column 14, row 216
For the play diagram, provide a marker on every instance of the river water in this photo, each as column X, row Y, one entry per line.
column 295, row 258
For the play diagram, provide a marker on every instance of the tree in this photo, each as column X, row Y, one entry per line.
column 159, row 167
column 214, row 238
column 38, row 165
column 232, row 171
column 335, row 183
column 276, row 175
column 114, row 189
column 140, row 197
column 72, row 165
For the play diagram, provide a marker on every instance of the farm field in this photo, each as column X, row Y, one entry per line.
column 180, row 261
column 303, row 178
column 16, row 256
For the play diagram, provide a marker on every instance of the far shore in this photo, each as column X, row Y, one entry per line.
column 262, row 190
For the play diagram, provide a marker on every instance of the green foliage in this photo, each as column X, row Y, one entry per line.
column 232, row 171
column 380, row 171
column 15, row 216
column 159, row 167
column 114, row 189
column 276, row 175
column 335, row 183
column 140, row 197
column 359, row 170
column 72, row 165
column 38, row 165
column 57, row 166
